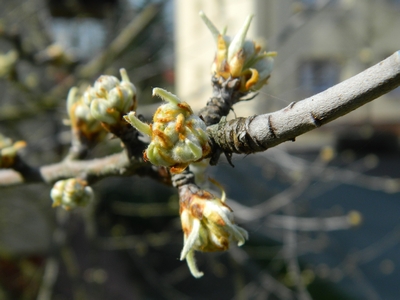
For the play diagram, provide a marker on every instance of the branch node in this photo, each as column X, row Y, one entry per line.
column 316, row 121
column 271, row 127
column 291, row 105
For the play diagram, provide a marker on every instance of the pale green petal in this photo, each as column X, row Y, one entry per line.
column 191, row 262
column 98, row 109
column 124, row 75
column 238, row 41
column 195, row 150
column 139, row 125
column 214, row 31
column 191, row 239
column 166, row 96
column 71, row 99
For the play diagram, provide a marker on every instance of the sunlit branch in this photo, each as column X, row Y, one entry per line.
column 258, row 133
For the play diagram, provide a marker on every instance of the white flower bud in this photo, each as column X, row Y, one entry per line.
column 178, row 137
column 208, row 226
column 240, row 58
column 81, row 119
column 110, row 98
column 70, row 193
column 8, row 151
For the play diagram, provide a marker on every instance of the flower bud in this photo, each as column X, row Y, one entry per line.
column 8, row 62
column 110, row 98
column 178, row 137
column 82, row 121
column 70, row 193
column 8, row 151
column 56, row 55
column 240, row 58
column 208, row 226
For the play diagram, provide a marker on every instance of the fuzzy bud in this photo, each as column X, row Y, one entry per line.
column 207, row 224
column 178, row 137
column 82, row 121
column 8, row 151
column 109, row 99
column 70, row 193
column 240, row 58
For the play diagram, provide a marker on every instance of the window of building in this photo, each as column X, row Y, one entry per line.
column 316, row 75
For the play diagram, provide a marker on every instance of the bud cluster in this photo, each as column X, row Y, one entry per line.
column 109, row 99
column 70, row 193
column 82, row 121
column 8, row 151
column 240, row 58
column 178, row 137
column 208, row 226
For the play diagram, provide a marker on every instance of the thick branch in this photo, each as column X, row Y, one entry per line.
column 241, row 135
column 258, row 133
column 91, row 170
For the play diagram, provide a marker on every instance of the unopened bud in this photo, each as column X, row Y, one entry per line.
column 82, row 121
column 8, row 151
column 240, row 58
column 110, row 98
column 208, row 226
column 71, row 193
column 178, row 137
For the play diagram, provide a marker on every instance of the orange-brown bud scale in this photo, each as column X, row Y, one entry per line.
column 250, row 77
column 145, row 158
column 162, row 138
column 221, row 54
column 178, row 168
column 179, row 126
column 186, row 107
column 236, row 64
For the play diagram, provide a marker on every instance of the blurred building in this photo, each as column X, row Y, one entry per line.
column 319, row 43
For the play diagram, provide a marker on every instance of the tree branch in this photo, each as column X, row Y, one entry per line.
column 241, row 135
column 92, row 170
column 258, row 133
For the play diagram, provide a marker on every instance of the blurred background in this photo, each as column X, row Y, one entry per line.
column 322, row 213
